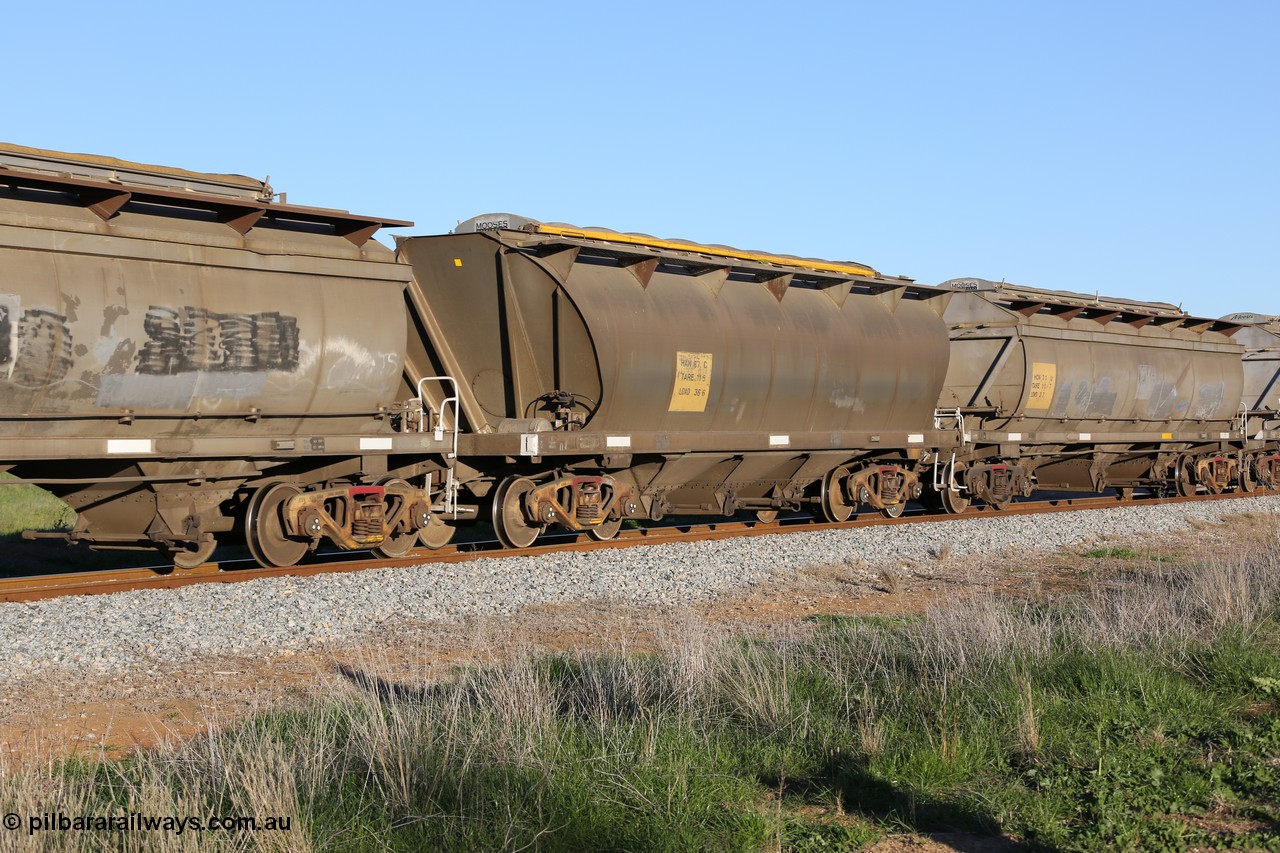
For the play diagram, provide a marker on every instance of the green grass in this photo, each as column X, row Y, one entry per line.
column 24, row 507
column 1119, row 552
column 1114, row 552
column 1137, row 716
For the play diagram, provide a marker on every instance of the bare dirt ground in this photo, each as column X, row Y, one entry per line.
column 48, row 718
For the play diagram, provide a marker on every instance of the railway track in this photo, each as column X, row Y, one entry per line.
column 104, row 581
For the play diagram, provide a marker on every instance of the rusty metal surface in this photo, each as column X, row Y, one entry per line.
column 175, row 345
column 105, row 322
column 167, row 336
column 1045, row 365
column 1260, row 337
column 107, row 198
column 673, row 342
column 704, row 379
column 98, row 168
column 1007, row 291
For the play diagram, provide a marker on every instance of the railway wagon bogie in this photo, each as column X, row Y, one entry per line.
column 284, row 521
column 523, row 504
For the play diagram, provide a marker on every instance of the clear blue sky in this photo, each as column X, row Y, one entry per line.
column 1122, row 147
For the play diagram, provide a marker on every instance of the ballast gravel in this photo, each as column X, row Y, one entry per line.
column 138, row 631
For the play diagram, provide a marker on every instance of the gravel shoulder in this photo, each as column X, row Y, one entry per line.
column 109, row 674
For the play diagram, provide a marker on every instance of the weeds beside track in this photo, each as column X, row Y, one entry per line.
column 1140, row 714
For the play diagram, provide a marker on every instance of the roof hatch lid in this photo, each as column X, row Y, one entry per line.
column 491, row 222
column 124, row 172
column 1250, row 318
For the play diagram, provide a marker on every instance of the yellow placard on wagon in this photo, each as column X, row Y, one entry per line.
column 693, row 382
column 1044, row 376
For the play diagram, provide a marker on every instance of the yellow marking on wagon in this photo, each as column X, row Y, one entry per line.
column 701, row 249
column 1044, row 376
column 692, row 384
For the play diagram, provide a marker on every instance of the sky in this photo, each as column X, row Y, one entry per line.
column 1125, row 148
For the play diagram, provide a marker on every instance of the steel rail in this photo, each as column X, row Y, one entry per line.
column 104, row 581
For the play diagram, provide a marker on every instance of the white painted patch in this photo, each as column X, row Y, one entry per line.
column 1086, row 436
column 617, row 441
column 384, row 443
column 779, row 440
column 841, row 401
column 915, row 438
column 129, row 445
column 1015, row 436
column 348, row 364
column 1224, row 435
column 529, row 444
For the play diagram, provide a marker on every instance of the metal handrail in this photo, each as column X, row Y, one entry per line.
column 947, row 472
column 438, row 430
column 939, row 415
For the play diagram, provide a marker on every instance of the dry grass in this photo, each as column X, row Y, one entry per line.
column 438, row 754
column 890, row 582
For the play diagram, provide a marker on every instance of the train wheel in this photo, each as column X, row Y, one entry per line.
column 767, row 516
column 436, row 534
column 264, row 529
column 894, row 511
column 508, row 513
column 188, row 558
column 954, row 503
column 606, row 531
column 1000, row 505
column 1262, row 471
column 1184, row 476
column 398, row 542
column 396, row 545
column 833, row 503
